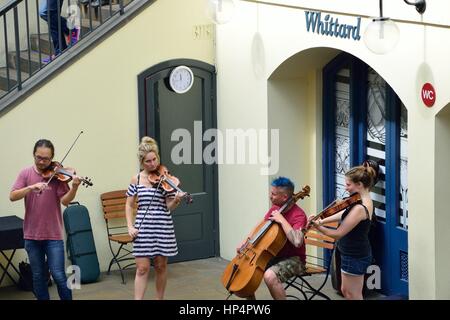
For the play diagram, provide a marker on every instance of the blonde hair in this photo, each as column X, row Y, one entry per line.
column 366, row 174
column 146, row 146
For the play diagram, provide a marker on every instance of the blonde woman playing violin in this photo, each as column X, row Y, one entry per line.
column 153, row 230
column 353, row 231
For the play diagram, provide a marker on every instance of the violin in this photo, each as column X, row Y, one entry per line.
column 162, row 177
column 337, row 206
column 56, row 170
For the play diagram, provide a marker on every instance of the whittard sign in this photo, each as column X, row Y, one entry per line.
column 330, row 26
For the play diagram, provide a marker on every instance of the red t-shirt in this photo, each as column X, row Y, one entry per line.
column 43, row 219
column 297, row 219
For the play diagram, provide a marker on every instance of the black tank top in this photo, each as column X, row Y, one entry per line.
column 356, row 242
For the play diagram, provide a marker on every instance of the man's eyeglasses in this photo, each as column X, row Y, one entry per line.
column 39, row 158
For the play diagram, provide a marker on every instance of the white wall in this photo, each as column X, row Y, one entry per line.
column 288, row 113
column 243, row 192
column 442, row 220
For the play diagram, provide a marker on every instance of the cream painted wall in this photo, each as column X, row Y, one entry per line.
column 421, row 207
column 98, row 94
column 442, row 195
column 420, row 56
column 288, row 113
column 243, row 192
column 315, row 118
column 291, row 113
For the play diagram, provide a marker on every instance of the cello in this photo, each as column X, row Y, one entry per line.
column 244, row 273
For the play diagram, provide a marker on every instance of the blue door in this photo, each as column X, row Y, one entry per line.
column 364, row 119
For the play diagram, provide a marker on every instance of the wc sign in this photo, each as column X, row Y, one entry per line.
column 428, row 94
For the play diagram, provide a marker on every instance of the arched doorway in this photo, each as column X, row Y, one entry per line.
column 364, row 119
column 162, row 112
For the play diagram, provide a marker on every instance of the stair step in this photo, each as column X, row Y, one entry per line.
column 86, row 26
column 2, row 93
column 105, row 9
column 113, row 2
column 95, row 12
column 34, row 61
column 12, row 78
column 125, row 2
column 42, row 43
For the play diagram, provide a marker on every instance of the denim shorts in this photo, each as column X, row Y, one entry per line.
column 355, row 266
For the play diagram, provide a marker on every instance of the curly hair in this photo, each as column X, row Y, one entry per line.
column 146, row 146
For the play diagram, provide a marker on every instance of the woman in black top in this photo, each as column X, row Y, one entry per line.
column 353, row 231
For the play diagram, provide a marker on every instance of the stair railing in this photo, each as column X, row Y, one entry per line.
column 11, row 6
column 25, row 49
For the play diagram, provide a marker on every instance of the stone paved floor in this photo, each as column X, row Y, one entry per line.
column 191, row 280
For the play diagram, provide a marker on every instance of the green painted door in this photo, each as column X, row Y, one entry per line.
column 177, row 120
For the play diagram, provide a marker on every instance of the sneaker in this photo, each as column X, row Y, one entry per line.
column 48, row 59
column 74, row 36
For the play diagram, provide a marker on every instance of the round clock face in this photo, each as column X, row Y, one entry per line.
column 181, row 79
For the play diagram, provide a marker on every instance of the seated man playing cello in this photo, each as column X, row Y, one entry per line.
column 290, row 260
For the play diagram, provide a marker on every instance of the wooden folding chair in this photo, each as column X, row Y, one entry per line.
column 113, row 204
column 315, row 265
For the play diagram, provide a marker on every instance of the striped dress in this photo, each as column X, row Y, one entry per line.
column 156, row 235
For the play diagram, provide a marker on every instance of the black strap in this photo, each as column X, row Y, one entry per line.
column 138, row 177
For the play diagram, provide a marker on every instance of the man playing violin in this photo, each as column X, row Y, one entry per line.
column 290, row 260
column 43, row 226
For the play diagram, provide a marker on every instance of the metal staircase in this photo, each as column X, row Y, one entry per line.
column 23, row 59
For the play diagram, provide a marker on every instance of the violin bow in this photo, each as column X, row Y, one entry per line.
column 148, row 207
column 65, row 156
column 70, row 149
